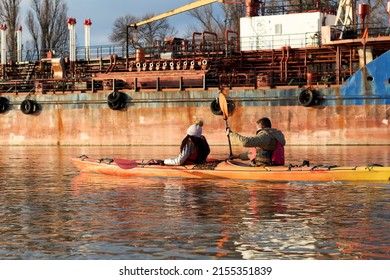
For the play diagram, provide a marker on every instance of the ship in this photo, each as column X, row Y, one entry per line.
column 322, row 77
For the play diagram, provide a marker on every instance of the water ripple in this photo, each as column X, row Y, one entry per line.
column 50, row 211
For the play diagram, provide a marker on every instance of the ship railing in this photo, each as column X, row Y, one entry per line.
column 208, row 48
column 268, row 42
column 312, row 39
column 205, row 48
column 82, row 52
column 356, row 31
column 296, row 76
column 100, row 51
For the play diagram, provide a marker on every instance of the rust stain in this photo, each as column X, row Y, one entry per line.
column 60, row 126
column 365, row 85
column 164, row 122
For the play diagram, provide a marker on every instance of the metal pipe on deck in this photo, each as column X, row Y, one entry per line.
column 288, row 48
column 3, row 31
column 237, row 43
column 252, row 8
column 388, row 10
column 282, row 63
column 72, row 41
column 204, row 39
column 19, row 44
column 194, row 40
column 87, row 37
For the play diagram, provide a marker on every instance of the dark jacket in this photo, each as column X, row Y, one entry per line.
column 264, row 141
column 192, row 150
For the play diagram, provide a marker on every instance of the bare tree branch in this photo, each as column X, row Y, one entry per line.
column 145, row 34
column 9, row 14
column 218, row 18
column 46, row 22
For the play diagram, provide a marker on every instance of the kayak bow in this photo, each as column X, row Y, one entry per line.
column 235, row 170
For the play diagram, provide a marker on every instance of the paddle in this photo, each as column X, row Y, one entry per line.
column 224, row 108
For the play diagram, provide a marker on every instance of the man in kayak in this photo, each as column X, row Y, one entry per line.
column 267, row 145
column 194, row 147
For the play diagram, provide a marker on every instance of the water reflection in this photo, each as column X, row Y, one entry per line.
column 249, row 221
column 50, row 211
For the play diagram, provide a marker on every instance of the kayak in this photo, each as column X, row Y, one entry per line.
column 231, row 169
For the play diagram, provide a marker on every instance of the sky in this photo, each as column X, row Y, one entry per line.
column 103, row 13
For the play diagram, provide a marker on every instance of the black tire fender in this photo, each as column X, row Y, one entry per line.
column 114, row 97
column 116, row 100
column 307, row 97
column 215, row 108
column 231, row 107
column 116, row 105
column 4, row 102
column 28, row 106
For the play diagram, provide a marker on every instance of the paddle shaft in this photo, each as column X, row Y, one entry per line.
column 228, row 137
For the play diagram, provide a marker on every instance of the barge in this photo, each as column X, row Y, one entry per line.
column 323, row 83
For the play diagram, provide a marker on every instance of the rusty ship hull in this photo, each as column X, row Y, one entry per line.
column 161, row 117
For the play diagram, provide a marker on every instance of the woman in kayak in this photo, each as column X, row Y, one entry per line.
column 194, row 147
column 267, row 145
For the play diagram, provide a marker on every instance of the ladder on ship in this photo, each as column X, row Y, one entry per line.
column 30, row 70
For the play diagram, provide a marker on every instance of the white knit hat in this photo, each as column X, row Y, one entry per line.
column 195, row 130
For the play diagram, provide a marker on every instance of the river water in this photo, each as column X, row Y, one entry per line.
column 51, row 211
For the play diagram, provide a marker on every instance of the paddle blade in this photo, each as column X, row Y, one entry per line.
column 224, row 108
column 223, row 105
column 125, row 163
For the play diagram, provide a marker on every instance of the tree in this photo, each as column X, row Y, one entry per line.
column 145, row 34
column 156, row 30
column 46, row 22
column 218, row 18
column 378, row 16
column 9, row 14
column 120, row 29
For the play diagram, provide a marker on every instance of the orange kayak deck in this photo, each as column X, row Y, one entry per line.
column 234, row 170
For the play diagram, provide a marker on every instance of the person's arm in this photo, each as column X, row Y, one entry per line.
column 255, row 141
column 181, row 158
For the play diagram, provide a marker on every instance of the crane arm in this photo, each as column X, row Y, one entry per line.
column 345, row 13
column 179, row 10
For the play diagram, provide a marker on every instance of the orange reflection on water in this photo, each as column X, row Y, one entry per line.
column 50, row 210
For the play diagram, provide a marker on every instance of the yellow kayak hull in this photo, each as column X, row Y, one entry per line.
column 232, row 170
